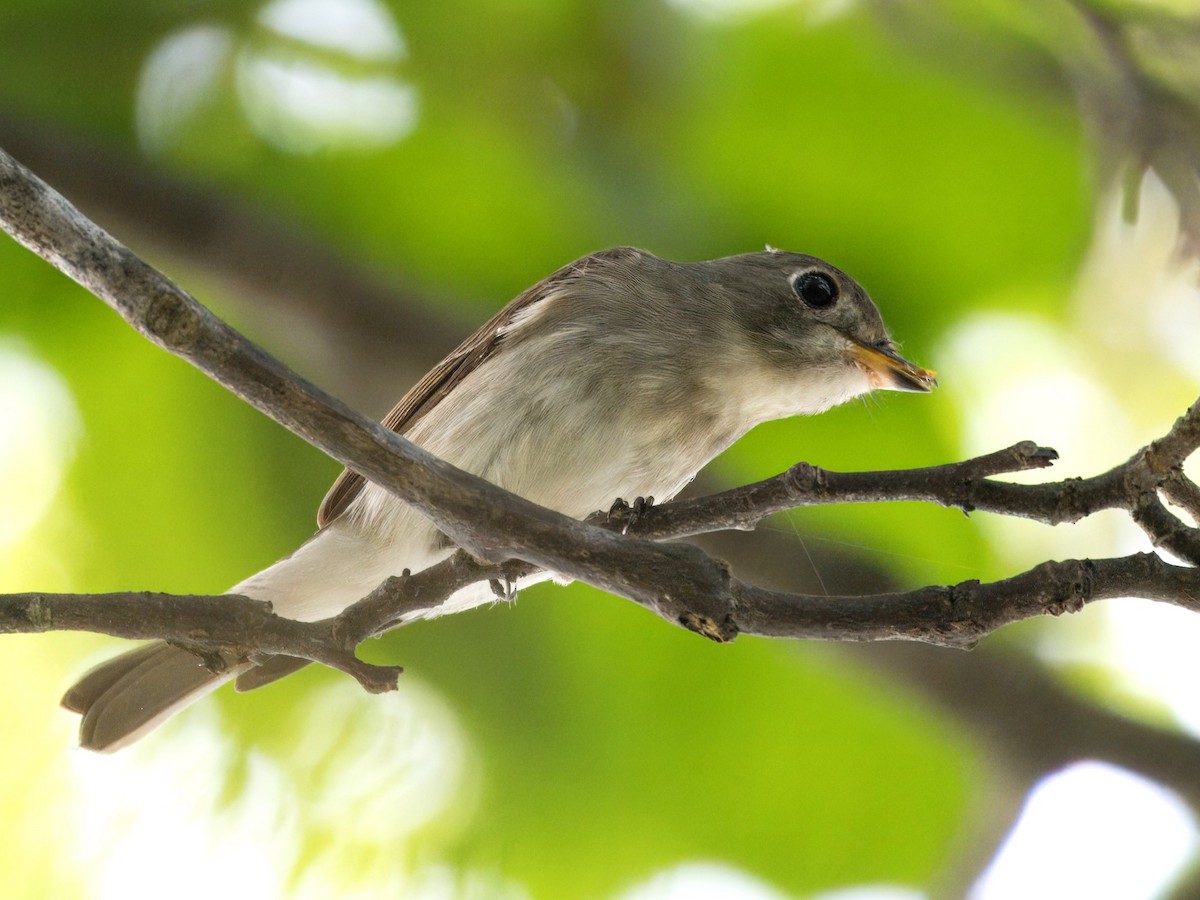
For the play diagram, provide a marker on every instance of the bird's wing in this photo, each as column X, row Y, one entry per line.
column 442, row 378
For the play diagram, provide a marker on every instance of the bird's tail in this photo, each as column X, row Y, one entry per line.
column 122, row 699
column 125, row 697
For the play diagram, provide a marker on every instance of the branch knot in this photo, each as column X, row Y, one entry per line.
column 807, row 479
column 1076, row 588
column 722, row 632
column 171, row 319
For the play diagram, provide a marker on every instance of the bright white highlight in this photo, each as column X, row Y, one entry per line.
column 304, row 106
column 1137, row 295
column 319, row 75
column 39, row 427
column 369, row 774
column 1016, row 377
column 702, row 881
column 1152, row 647
column 303, row 103
column 1092, row 831
column 181, row 76
column 361, row 28
column 873, row 892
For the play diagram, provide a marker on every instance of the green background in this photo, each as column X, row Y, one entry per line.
column 571, row 745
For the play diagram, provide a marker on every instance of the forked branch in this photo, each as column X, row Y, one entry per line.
column 620, row 552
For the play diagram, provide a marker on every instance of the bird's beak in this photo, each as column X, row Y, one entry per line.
column 888, row 370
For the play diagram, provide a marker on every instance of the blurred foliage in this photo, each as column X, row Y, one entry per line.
column 599, row 746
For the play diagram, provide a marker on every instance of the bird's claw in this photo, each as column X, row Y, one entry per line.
column 626, row 514
column 505, row 589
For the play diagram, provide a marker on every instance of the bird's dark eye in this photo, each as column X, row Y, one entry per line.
column 816, row 289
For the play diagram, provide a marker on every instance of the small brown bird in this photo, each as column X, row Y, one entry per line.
column 620, row 375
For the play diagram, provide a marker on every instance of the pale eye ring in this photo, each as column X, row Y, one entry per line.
column 816, row 289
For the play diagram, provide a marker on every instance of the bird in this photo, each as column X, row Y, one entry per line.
column 620, row 375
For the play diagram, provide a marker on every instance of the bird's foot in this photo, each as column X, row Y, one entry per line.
column 503, row 588
column 627, row 514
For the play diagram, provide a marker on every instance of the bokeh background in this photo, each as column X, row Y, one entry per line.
column 356, row 184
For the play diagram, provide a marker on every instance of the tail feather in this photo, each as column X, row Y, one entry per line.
column 100, row 679
column 268, row 671
column 125, row 697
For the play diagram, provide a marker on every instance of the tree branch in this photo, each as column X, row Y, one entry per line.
column 1133, row 486
column 269, row 266
column 960, row 484
column 509, row 526
column 952, row 616
column 617, row 553
column 212, row 626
